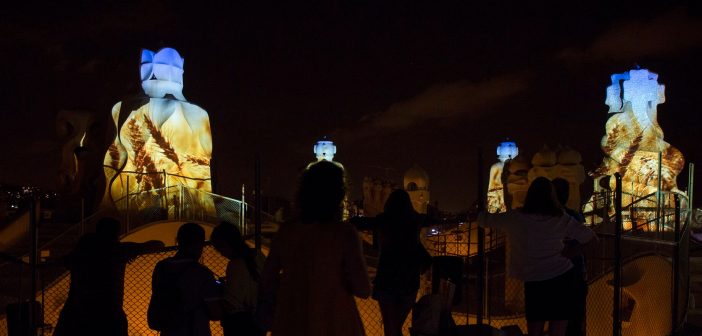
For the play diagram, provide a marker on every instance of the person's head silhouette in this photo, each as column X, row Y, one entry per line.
column 321, row 191
column 541, row 198
column 227, row 240
column 108, row 229
column 191, row 240
column 399, row 204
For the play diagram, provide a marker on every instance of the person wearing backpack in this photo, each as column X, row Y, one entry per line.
column 241, row 282
column 184, row 296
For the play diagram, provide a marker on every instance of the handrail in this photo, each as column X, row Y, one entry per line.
column 156, row 173
column 73, row 227
column 639, row 198
column 69, row 229
column 599, row 198
column 216, row 195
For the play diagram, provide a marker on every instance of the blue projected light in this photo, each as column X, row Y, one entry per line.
column 162, row 73
column 507, row 150
column 324, row 150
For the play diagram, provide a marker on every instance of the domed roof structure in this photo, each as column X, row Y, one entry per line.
column 416, row 178
column 569, row 156
column 546, row 157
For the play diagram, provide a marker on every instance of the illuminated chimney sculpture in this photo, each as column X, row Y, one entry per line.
column 324, row 150
column 634, row 141
column 506, row 150
column 162, row 140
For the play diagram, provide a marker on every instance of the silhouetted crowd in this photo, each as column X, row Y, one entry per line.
column 316, row 269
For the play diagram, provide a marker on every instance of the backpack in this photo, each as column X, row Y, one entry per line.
column 165, row 308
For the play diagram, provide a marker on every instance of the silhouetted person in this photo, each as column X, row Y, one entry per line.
column 317, row 263
column 95, row 297
column 402, row 259
column 535, row 234
column 184, row 295
column 573, row 250
column 241, row 283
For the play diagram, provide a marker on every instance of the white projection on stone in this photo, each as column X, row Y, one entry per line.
column 162, row 73
column 324, row 150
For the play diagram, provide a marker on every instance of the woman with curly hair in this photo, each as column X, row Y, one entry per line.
column 316, row 262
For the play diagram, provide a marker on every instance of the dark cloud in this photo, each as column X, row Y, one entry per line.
column 672, row 33
column 440, row 102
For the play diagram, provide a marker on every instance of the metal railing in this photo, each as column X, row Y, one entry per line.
column 637, row 275
column 173, row 203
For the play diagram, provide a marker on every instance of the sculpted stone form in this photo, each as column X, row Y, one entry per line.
column 375, row 194
column 416, row 183
column 162, row 139
column 634, row 139
column 564, row 163
column 84, row 138
column 507, row 150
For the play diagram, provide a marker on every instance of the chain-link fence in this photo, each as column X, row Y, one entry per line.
column 653, row 281
column 653, row 252
column 137, row 292
column 174, row 204
column 496, row 297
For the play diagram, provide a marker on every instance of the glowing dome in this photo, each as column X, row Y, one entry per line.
column 324, row 150
column 416, row 183
column 546, row 157
column 416, row 178
column 507, row 150
column 569, row 156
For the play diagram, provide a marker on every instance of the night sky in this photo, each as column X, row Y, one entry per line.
column 392, row 84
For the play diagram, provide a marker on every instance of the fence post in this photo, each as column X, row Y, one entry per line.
column 616, row 307
column 82, row 216
column 690, row 185
column 480, row 281
column 257, row 200
column 181, row 201
column 242, row 212
column 165, row 192
column 33, row 246
column 128, row 209
column 659, row 195
column 676, row 268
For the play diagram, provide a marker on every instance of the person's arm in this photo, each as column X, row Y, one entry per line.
column 133, row 250
column 493, row 220
column 237, row 278
column 213, row 298
column 581, row 237
column 355, row 264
